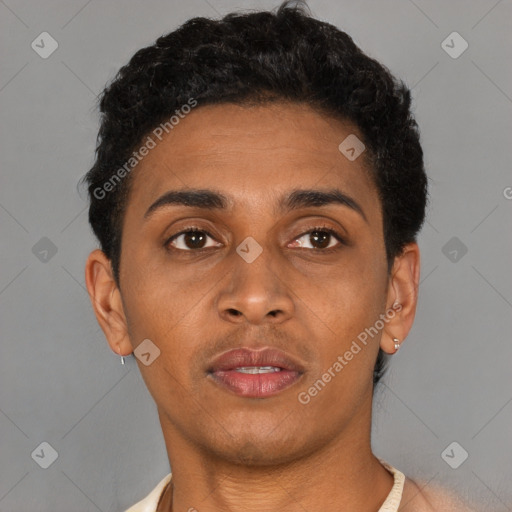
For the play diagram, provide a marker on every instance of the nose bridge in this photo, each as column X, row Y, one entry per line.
column 254, row 290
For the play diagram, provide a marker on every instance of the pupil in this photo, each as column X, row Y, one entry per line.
column 194, row 239
column 320, row 238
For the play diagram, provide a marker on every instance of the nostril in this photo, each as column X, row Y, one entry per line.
column 234, row 312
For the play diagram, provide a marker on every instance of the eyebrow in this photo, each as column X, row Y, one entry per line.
column 295, row 200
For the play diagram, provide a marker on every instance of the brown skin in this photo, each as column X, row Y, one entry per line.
column 229, row 453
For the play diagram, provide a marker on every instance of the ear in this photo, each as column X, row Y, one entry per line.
column 402, row 297
column 106, row 301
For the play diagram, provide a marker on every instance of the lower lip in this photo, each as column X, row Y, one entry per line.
column 256, row 385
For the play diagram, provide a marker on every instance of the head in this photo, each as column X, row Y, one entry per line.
column 244, row 119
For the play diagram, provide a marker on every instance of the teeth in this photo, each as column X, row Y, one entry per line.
column 258, row 369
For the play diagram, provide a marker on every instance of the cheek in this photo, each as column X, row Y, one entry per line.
column 343, row 371
column 346, row 296
column 349, row 302
column 153, row 292
column 157, row 310
column 170, row 307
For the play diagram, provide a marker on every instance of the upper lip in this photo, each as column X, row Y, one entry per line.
column 245, row 357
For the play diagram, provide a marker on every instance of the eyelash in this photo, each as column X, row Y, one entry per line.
column 196, row 229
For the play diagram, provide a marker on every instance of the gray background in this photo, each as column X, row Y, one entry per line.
column 59, row 381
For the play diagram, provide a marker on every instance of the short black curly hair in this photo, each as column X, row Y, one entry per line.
column 259, row 57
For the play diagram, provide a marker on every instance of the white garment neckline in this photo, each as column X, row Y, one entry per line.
column 394, row 497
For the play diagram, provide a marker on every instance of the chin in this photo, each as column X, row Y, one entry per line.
column 254, row 454
column 261, row 449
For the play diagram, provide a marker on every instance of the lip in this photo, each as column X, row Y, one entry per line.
column 223, row 371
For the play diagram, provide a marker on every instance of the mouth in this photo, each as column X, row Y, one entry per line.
column 255, row 374
column 258, row 369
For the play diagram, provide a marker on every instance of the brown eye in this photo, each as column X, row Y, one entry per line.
column 190, row 240
column 319, row 238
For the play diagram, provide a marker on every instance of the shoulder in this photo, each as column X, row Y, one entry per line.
column 418, row 498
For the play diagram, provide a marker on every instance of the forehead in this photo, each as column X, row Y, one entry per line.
column 251, row 154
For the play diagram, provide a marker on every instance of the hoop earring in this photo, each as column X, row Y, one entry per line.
column 396, row 341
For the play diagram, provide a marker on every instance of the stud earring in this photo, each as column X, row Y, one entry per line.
column 397, row 344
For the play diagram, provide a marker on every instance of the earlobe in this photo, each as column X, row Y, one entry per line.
column 106, row 301
column 402, row 298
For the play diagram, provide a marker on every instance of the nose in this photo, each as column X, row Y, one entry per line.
column 255, row 292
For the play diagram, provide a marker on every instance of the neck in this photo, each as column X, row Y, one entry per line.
column 342, row 475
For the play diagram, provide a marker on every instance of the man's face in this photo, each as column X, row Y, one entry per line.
column 307, row 293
